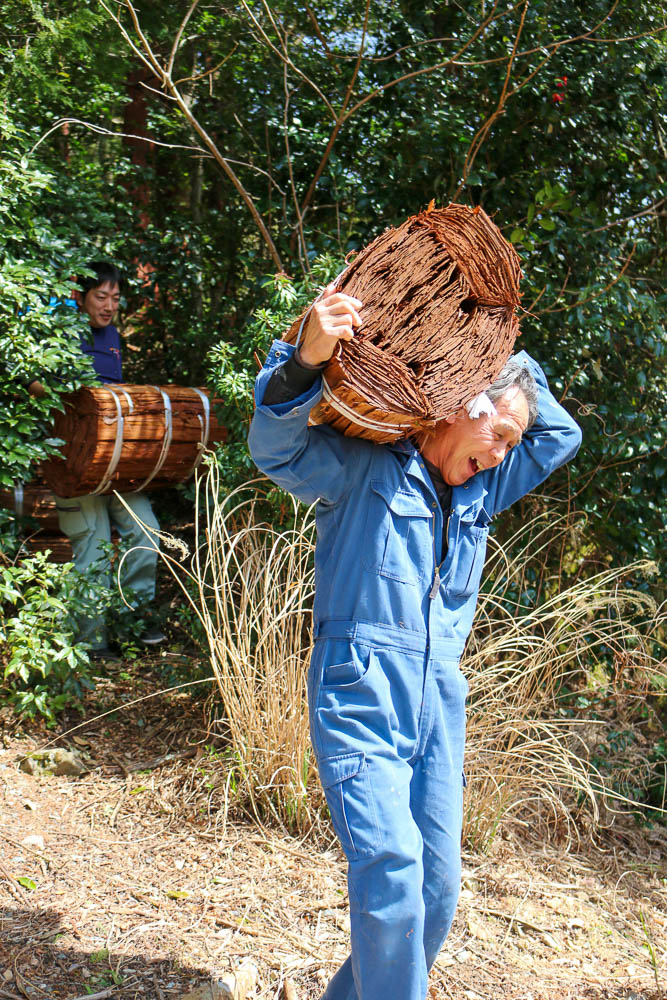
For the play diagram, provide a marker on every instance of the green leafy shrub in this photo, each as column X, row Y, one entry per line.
column 44, row 666
column 232, row 368
column 39, row 335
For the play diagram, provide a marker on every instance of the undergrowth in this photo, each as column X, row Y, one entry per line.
column 531, row 748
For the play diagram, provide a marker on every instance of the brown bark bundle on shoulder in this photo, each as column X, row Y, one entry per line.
column 439, row 298
column 129, row 438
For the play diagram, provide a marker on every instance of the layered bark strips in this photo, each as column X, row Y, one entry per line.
column 439, row 298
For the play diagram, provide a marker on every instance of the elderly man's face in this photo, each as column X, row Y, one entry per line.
column 461, row 446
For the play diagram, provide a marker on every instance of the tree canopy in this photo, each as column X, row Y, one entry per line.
column 208, row 149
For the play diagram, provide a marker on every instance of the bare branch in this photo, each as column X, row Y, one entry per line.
column 629, row 218
column 209, row 72
column 440, row 65
column 480, row 135
column 100, row 130
column 179, row 35
column 144, row 41
column 340, row 119
column 593, row 295
column 128, row 38
column 313, row 20
column 149, row 58
column 555, row 45
column 303, row 250
column 406, row 48
column 286, row 59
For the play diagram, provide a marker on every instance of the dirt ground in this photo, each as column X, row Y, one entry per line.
column 137, row 889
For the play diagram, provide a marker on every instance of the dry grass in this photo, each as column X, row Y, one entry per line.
column 527, row 756
column 251, row 586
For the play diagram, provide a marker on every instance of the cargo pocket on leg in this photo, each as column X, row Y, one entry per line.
column 346, row 782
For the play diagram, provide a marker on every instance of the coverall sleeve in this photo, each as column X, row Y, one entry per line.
column 552, row 441
column 313, row 463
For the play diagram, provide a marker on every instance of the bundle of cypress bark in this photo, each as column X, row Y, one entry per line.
column 129, row 438
column 439, row 297
column 58, row 546
column 32, row 502
column 34, row 506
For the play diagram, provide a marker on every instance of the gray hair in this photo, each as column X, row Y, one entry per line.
column 514, row 374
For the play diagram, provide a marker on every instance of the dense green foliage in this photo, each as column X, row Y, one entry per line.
column 232, row 167
column 338, row 120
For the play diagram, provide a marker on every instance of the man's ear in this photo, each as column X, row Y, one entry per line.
column 459, row 415
column 78, row 298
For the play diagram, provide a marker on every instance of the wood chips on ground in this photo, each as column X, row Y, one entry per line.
column 140, row 892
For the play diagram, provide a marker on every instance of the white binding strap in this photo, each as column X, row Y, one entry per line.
column 118, row 445
column 166, row 440
column 205, row 429
column 345, row 411
column 18, row 500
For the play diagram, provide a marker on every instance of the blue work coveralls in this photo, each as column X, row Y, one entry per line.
column 386, row 695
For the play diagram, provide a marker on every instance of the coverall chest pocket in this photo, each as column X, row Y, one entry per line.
column 398, row 541
column 467, row 560
column 71, row 517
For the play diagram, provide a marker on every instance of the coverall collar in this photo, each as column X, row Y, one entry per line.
column 467, row 499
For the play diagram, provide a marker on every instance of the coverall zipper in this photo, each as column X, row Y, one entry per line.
column 436, row 579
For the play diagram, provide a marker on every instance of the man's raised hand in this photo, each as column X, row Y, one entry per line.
column 332, row 318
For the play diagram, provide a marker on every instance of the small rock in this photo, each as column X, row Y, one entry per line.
column 57, row 761
column 289, row 990
column 550, row 940
column 34, row 840
column 68, row 762
column 230, row 986
column 29, row 804
column 236, row 985
column 462, row 956
column 8, row 975
column 479, row 929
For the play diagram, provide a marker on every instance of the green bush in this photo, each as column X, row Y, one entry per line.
column 44, row 666
column 39, row 336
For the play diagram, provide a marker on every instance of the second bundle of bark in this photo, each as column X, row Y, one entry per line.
column 439, row 297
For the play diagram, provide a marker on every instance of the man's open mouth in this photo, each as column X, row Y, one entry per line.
column 475, row 466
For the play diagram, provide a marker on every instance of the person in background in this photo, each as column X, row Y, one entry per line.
column 88, row 520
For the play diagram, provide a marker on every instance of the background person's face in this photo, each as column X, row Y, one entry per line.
column 101, row 303
column 465, row 446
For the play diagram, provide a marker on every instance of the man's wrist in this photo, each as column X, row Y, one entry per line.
column 308, row 365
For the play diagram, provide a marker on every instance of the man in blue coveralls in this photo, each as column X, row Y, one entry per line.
column 401, row 538
column 88, row 520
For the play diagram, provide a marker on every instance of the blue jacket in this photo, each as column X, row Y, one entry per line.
column 103, row 346
column 379, row 523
